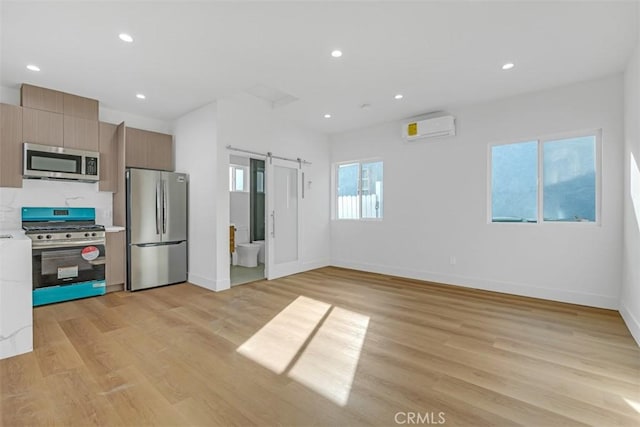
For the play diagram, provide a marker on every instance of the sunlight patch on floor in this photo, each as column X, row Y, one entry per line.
column 276, row 344
column 635, row 405
column 326, row 360
column 328, row 364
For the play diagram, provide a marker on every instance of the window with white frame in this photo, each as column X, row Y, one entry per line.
column 546, row 180
column 359, row 192
column 238, row 178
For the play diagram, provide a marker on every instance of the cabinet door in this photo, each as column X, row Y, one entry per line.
column 108, row 157
column 78, row 106
column 160, row 152
column 115, row 270
column 40, row 98
column 10, row 146
column 136, row 148
column 42, row 127
column 149, row 150
column 81, row 134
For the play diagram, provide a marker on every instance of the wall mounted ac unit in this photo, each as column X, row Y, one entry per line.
column 429, row 128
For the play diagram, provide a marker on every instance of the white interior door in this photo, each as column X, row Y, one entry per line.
column 283, row 218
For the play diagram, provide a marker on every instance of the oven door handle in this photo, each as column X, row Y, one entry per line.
column 66, row 244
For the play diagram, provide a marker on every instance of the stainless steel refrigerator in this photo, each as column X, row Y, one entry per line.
column 156, row 228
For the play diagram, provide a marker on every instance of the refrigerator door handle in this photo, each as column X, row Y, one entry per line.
column 165, row 211
column 158, row 208
column 153, row 245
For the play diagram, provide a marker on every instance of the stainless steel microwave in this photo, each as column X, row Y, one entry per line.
column 47, row 162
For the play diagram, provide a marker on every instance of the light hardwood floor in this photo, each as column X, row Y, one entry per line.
column 326, row 347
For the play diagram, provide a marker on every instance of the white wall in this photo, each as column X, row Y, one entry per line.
column 195, row 136
column 109, row 115
column 249, row 123
column 630, row 296
column 239, row 209
column 9, row 95
column 436, row 203
column 201, row 137
column 239, row 213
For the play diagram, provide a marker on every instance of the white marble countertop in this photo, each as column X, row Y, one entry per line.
column 113, row 228
column 16, row 321
column 15, row 235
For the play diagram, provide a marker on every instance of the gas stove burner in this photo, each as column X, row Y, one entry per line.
column 61, row 226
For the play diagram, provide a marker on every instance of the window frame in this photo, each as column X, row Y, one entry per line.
column 541, row 140
column 232, row 178
column 335, row 182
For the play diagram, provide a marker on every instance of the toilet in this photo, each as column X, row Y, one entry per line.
column 261, row 252
column 247, row 253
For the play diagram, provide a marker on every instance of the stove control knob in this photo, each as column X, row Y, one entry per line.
column 86, row 234
column 48, row 236
column 39, row 236
column 93, row 234
column 68, row 235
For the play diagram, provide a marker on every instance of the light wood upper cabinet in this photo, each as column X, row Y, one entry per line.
column 60, row 119
column 42, row 127
column 108, row 157
column 161, row 153
column 40, row 98
column 81, row 134
column 136, row 148
column 10, row 146
column 78, row 106
column 149, row 150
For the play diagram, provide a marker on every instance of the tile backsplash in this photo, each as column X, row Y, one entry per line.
column 37, row 192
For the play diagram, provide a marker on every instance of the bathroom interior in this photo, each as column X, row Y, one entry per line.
column 247, row 217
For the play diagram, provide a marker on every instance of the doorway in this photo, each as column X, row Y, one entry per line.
column 247, row 217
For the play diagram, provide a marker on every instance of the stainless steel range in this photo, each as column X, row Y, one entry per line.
column 68, row 253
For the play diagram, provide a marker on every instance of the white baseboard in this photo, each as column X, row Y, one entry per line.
column 592, row 300
column 202, row 282
column 631, row 321
column 314, row 264
column 222, row 285
column 212, row 285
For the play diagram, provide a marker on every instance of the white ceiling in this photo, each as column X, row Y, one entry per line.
column 438, row 54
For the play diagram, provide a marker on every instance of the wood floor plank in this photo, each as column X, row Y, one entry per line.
column 385, row 347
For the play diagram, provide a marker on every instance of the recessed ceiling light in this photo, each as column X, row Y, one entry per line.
column 508, row 66
column 32, row 67
column 399, row 96
column 327, row 116
column 125, row 37
column 140, row 96
column 336, row 53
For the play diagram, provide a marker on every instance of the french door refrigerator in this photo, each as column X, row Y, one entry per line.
column 156, row 228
